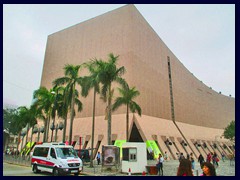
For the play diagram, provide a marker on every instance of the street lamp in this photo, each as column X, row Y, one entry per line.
column 59, row 126
column 38, row 129
column 23, row 133
column 53, row 123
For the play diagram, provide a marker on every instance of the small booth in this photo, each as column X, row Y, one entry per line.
column 134, row 157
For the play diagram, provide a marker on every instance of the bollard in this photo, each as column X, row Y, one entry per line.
column 143, row 173
column 129, row 172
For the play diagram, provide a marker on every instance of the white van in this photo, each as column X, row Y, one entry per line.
column 56, row 158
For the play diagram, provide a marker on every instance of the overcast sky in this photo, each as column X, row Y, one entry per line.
column 201, row 36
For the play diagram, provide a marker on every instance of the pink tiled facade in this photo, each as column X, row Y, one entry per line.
column 200, row 113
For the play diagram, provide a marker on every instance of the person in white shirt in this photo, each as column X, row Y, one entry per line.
column 160, row 165
column 166, row 156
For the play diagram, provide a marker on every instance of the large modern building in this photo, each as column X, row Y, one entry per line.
column 179, row 112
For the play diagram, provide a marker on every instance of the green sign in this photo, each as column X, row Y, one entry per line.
column 152, row 146
column 26, row 150
column 119, row 143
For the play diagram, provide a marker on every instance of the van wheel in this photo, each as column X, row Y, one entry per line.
column 55, row 172
column 35, row 169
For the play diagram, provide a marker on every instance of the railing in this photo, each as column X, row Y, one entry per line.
column 20, row 160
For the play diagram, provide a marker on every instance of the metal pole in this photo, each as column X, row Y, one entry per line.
column 80, row 143
column 56, row 130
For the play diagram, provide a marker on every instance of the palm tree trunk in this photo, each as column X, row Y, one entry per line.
column 27, row 134
column 31, row 135
column 53, row 129
column 109, row 115
column 93, row 126
column 127, row 123
column 64, row 129
column 71, row 116
column 45, row 130
column 46, row 126
column 19, row 140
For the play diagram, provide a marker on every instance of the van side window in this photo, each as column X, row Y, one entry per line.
column 41, row 151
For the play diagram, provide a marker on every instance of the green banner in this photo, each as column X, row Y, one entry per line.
column 119, row 143
column 153, row 147
column 26, row 150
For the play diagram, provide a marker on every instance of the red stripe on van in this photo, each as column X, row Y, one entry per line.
column 42, row 162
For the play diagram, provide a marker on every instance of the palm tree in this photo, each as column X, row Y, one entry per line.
column 71, row 80
column 44, row 101
column 108, row 74
column 31, row 118
column 126, row 98
column 56, row 107
column 89, row 82
column 62, row 106
column 24, row 114
column 38, row 115
column 20, row 121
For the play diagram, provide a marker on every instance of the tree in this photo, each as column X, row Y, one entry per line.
column 126, row 98
column 18, row 122
column 109, row 73
column 8, row 118
column 89, row 82
column 62, row 107
column 12, row 123
column 44, row 101
column 71, row 80
column 30, row 117
column 229, row 131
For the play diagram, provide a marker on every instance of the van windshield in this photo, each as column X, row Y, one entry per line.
column 66, row 152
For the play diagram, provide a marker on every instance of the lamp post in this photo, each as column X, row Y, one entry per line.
column 38, row 129
column 59, row 126
column 23, row 133
column 54, row 109
column 52, row 127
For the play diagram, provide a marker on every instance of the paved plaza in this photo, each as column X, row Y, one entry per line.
column 169, row 169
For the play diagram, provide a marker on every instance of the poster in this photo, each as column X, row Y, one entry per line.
column 110, row 155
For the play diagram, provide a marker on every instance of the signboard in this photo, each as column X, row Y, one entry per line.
column 110, row 155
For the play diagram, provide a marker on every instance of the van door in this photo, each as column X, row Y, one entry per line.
column 52, row 158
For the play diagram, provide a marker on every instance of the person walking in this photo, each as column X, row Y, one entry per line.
column 231, row 159
column 185, row 168
column 201, row 160
column 215, row 160
column 166, row 156
column 192, row 161
column 98, row 158
column 181, row 157
column 160, row 164
column 209, row 157
column 208, row 169
column 223, row 156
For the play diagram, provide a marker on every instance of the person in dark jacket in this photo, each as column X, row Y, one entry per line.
column 201, row 160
